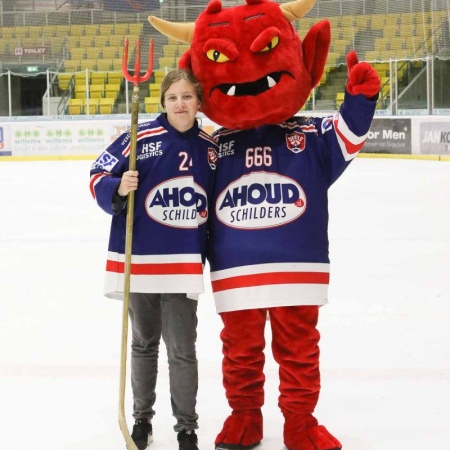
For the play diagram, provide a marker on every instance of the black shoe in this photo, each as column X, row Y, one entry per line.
column 142, row 434
column 187, row 440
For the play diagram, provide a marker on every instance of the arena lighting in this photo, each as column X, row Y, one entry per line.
column 32, row 69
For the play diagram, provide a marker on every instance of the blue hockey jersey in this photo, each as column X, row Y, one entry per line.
column 176, row 175
column 269, row 230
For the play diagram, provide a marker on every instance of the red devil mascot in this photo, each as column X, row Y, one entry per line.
column 268, row 250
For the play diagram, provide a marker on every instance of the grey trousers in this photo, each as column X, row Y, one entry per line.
column 174, row 317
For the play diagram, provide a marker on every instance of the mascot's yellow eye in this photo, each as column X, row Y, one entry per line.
column 272, row 44
column 216, row 56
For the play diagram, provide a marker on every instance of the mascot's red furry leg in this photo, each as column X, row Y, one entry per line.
column 243, row 377
column 295, row 348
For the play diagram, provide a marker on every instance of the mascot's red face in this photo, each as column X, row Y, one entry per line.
column 251, row 63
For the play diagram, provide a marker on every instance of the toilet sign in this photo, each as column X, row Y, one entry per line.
column 30, row 51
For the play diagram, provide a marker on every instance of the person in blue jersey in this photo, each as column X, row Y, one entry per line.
column 173, row 181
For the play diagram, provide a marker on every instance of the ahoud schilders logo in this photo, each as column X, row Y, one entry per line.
column 261, row 200
column 179, row 202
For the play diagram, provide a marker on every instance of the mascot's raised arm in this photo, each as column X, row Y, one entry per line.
column 268, row 247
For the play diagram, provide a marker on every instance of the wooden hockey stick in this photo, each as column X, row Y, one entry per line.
column 135, row 79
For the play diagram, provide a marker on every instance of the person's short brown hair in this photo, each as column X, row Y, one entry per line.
column 176, row 75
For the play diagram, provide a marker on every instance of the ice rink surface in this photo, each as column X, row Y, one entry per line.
column 385, row 347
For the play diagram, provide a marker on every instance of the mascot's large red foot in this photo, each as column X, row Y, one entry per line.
column 242, row 430
column 303, row 433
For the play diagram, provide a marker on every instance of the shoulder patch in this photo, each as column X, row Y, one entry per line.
column 327, row 124
column 105, row 162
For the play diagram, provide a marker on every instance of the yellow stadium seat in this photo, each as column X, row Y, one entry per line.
column 152, row 105
column 73, row 41
column 101, row 40
column 372, row 55
column 96, row 90
column 170, row 50
column 93, row 105
column 135, row 28
column 339, row 98
column 106, row 105
column 112, row 90
column 383, row 69
column 121, row 28
column 155, row 93
column 104, row 65
column 115, row 77
column 77, row 53
column 332, row 58
column 348, row 21
column 154, row 89
column 167, row 61
column 91, row 29
column 172, row 41
column 76, row 30
column 22, row 31
column 33, row 32
column 378, row 21
column 98, row 78
column 64, row 80
column 362, row 22
column 89, row 63
column 117, row 40
column 49, row 31
column 72, row 65
column 80, row 91
column 27, row 41
column 62, row 30
column 116, row 63
column 110, row 52
column 159, row 75
column 81, row 76
column 86, row 41
column 106, row 29
column 340, row 46
column 93, row 52
column 75, row 106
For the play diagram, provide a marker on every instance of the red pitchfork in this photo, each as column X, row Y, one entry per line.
column 135, row 79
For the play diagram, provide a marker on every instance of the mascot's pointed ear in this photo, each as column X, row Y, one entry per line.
column 185, row 61
column 315, row 50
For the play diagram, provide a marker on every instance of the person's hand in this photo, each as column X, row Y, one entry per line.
column 129, row 182
column 362, row 77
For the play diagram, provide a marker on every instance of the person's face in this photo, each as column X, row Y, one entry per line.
column 181, row 105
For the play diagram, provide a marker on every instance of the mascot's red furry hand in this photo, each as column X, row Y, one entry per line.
column 362, row 77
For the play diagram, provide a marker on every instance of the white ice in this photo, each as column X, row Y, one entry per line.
column 385, row 347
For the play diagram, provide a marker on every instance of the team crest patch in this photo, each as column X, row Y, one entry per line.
column 327, row 124
column 296, row 142
column 212, row 158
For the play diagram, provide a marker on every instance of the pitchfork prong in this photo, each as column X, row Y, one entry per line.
column 136, row 78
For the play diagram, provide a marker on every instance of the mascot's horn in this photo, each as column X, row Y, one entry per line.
column 184, row 32
column 296, row 10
